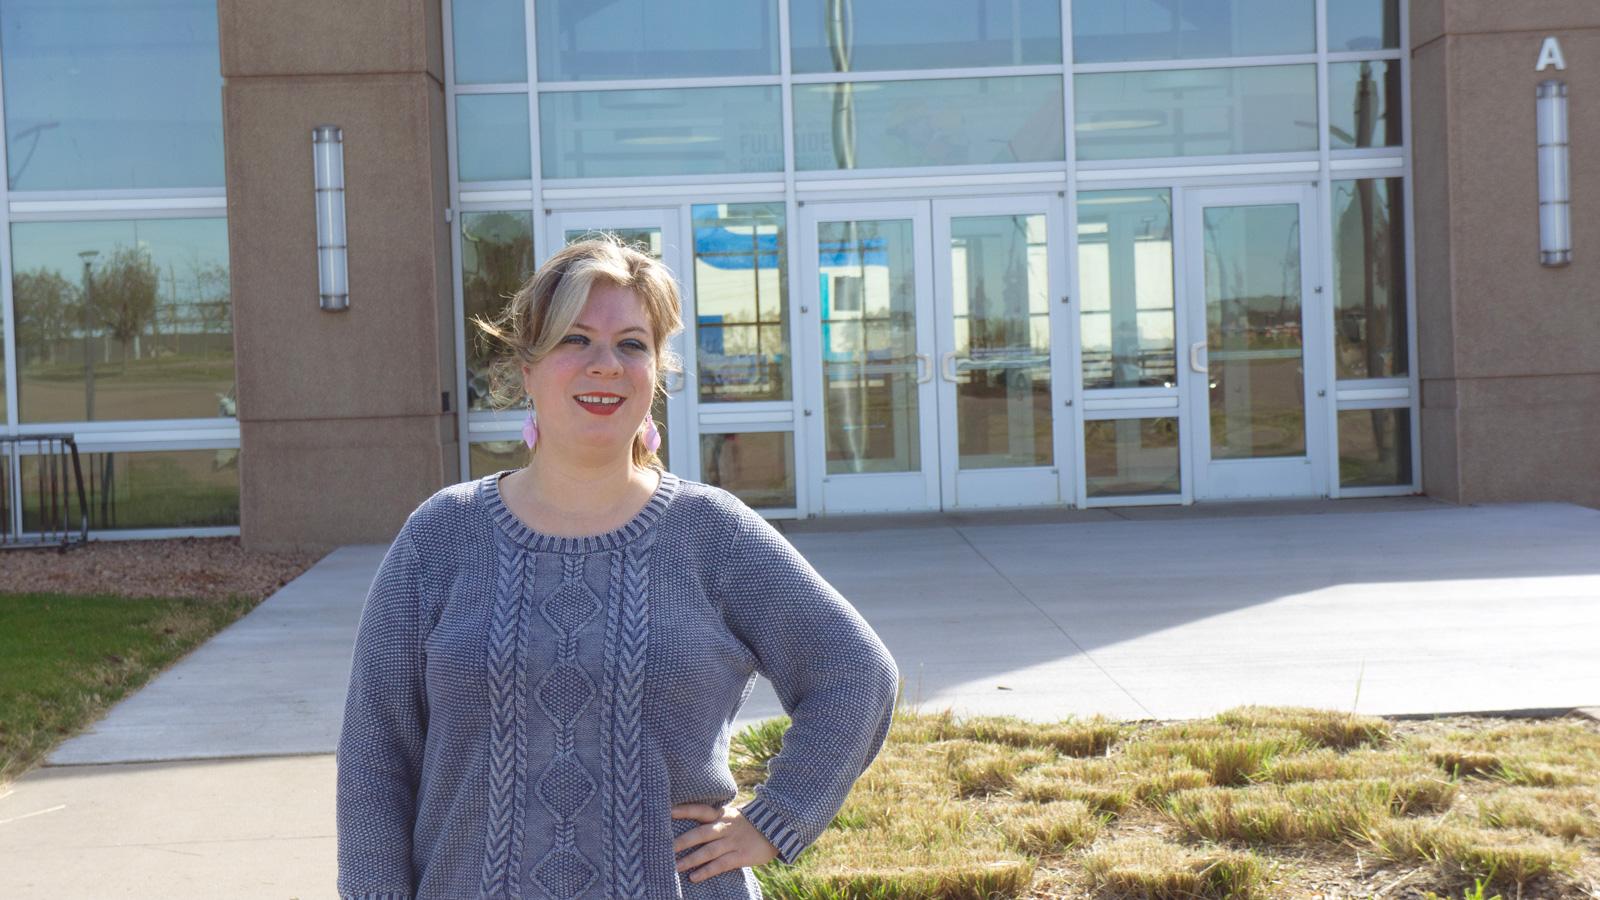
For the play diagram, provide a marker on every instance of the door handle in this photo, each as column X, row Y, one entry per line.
column 1194, row 357
column 947, row 367
column 924, row 369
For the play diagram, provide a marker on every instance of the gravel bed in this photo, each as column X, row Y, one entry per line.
column 211, row 568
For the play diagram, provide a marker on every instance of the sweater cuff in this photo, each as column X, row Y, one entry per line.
column 775, row 829
column 377, row 895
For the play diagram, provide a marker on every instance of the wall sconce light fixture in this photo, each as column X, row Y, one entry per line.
column 333, row 275
column 1555, row 186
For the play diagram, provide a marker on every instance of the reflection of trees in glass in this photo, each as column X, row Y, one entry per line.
column 1369, row 253
column 123, row 300
column 45, row 307
column 1374, row 114
column 496, row 258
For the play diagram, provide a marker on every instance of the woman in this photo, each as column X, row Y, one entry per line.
column 550, row 659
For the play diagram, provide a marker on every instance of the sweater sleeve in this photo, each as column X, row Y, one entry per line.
column 379, row 755
column 832, row 673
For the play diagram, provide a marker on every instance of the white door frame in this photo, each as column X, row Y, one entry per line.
column 868, row 492
column 1305, row 476
column 683, row 449
column 1046, row 485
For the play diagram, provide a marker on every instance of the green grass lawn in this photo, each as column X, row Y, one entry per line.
column 65, row 659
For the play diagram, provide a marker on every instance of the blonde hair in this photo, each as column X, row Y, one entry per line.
column 544, row 309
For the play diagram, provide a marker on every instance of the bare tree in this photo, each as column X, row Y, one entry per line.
column 45, row 305
column 124, row 295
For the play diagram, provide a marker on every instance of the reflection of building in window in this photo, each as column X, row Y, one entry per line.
column 740, row 272
column 1125, row 286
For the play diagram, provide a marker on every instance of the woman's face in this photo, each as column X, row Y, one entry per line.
column 593, row 389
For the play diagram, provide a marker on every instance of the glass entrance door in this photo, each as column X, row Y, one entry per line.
column 654, row 231
column 1257, row 396
column 868, row 314
column 930, row 353
column 996, row 284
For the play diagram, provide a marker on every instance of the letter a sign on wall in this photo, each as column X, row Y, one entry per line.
column 1550, row 55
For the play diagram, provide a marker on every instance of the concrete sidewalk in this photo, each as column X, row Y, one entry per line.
column 1394, row 606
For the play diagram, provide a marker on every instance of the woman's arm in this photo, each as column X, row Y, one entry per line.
column 380, row 748
column 832, row 673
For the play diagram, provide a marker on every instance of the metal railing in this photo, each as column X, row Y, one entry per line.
column 58, row 475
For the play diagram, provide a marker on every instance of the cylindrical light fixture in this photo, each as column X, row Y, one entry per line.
column 333, row 277
column 1555, row 186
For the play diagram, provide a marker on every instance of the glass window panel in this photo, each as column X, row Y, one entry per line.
column 154, row 341
column 582, row 40
column 1001, row 294
column 489, row 457
column 835, row 36
column 1253, row 331
column 1363, row 25
column 1125, row 281
column 1196, row 112
column 741, row 301
column 869, row 345
column 492, row 142
column 1125, row 30
column 101, row 94
column 1128, row 457
column 496, row 258
column 490, row 41
column 675, row 131
column 1364, row 104
column 945, row 122
column 1369, row 278
column 1374, row 447
column 757, row 467
column 168, row 489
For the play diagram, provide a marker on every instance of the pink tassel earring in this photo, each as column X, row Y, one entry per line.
column 530, row 427
column 652, row 436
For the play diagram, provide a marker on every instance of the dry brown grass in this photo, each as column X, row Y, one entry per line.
column 1158, row 870
column 1462, row 853
column 1569, row 813
column 1231, row 806
column 1321, row 727
column 1304, row 811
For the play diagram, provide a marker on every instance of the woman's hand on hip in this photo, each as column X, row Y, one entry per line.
column 726, row 839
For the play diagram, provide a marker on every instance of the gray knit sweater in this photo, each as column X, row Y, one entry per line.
column 524, row 710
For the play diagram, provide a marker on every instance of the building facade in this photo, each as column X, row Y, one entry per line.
column 1284, row 249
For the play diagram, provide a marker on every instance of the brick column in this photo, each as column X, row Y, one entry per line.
column 342, row 415
column 1510, row 350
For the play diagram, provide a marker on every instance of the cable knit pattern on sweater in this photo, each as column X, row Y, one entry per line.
column 525, row 710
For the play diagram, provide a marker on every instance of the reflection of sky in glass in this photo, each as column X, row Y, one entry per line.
column 112, row 95
column 927, row 34
column 488, row 37
column 1124, row 30
column 1252, row 258
column 672, row 131
column 939, row 122
column 1363, row 24
column 1196, row 112
column 176, row 247
column 492, row 142
column 585, row 40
